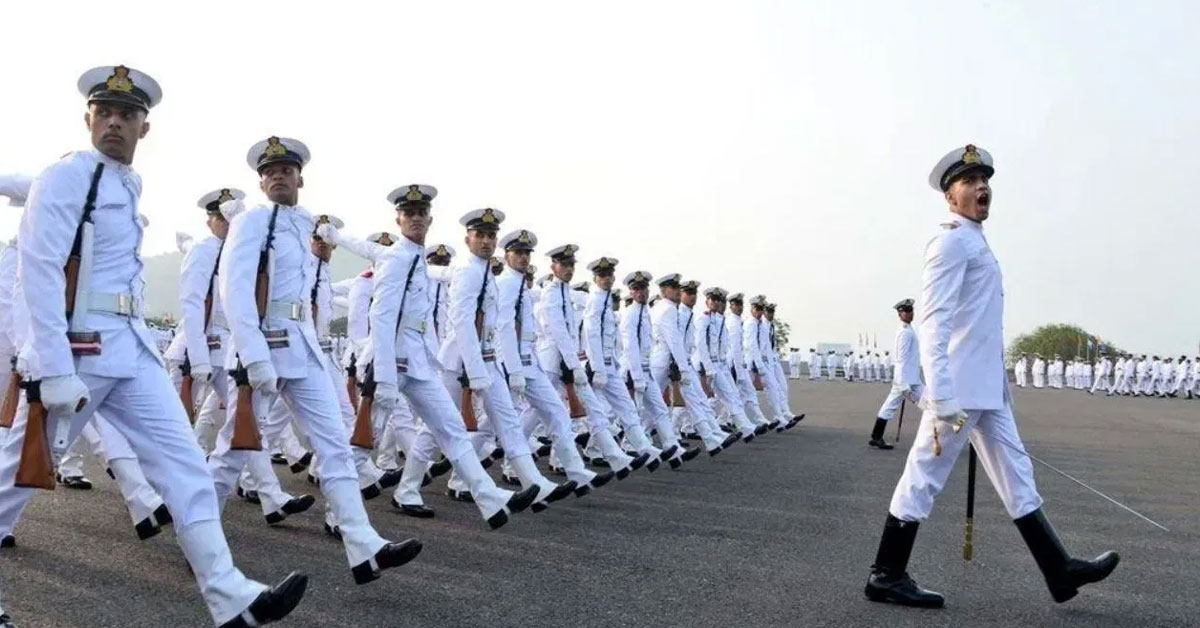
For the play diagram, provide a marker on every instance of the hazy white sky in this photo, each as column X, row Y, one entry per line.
column 765, row 147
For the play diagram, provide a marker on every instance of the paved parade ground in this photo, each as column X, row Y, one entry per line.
column 779, row 532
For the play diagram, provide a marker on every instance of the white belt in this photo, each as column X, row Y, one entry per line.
column 121, row 304
column 291, row 310
column 416, row 323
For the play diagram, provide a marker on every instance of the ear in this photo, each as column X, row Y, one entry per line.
column 262, row 184
column 301, row 182
column 87, row 119
column 145, row 130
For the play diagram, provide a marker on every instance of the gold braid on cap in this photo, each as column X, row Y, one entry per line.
column 489, row 216
column 524, row 237
column 971, row 155
column 119, row 81
column 275, row 148
column 414, row 193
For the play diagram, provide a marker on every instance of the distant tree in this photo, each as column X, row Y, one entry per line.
column 337, row 326
column 1066, row 340
column 782, row 331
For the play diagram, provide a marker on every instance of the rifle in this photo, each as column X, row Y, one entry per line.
column 756, row 379
column 705, row 385
column 185, row 390
column 8, row 410
column 245, row 427
column 362, row 437
column 574, row 405
column 467, row 402
column 36, row 467
column 673, row 395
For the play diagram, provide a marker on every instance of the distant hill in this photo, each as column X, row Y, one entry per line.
column 162, row 279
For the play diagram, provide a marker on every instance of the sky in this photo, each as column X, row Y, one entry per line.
column 766, row 147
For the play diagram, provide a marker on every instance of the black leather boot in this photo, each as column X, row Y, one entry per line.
column 1064, row 575
column 889, row 580
column 877, row 435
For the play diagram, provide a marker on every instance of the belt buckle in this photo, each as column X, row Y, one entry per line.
column 125, row 304
column 297, row 311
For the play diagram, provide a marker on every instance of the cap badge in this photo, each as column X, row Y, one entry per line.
column 971, row 156
column 225, row 195
column 524, row 237
column 274, row 148
column 489, row 216
column 441, row 251
column 414, row 193
column 119, row 81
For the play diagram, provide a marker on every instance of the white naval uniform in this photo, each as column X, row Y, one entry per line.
column 735, row 357
column 559, row 353
column 906, row 382
column 542, row 402
column 126, row 381
column 962, row 355
column 1019, row 372
column 831, row 364
column 781, row 385
column 636, row 329
column 304, row 382
column 1103, row 370
column 814, row 366
column 712, row 346
column 8, row 279
column 600, row 335
column 1039, row 373
column 406, row 360
column 669, row 349
column 760, row 357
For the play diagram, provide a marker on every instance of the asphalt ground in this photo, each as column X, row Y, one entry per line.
column 779, row 532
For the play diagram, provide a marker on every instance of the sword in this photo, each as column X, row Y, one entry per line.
column 1021, row 450
column 900, row 423
column 969, row 528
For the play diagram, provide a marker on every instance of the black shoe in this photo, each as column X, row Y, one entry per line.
column 389, row 479
column 497, row 453
column 668, row 453
column 510, row 480
column 877, row 435
column 278, row 459
column 314, row 480
column 441, row 467
column 748, row 437
column 8, row 541
column 413, row 510
column 688, row 454
column 600, row 480
column 522, row 500
column 675, row 463
column 6, row 621
column 302, row 463
column 77, row 482
column 652, row 466
column 370, row 492
column 560, row 492
column 294, row 506
column 889, row 580
column 388, row 556
column 729, row 440
column 250, row 496
column 539, row 507
column 760, row 430
column 622, row 473
column 273, row 604
column 543, row 451
column 426, row 480
column 690, row 436
column 146, row 528
column 773, row 425
column 553, row 470
column 581, row 440
column 580, row 491
column 714, row 451
column 460, row 496
column 333, row 531
column 487, row 462
column 1064, row 574
column 163, row 516
column 794, row 422
column 639, row 462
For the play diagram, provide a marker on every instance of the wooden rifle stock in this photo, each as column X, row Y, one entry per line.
column 262, row 285
column 756, row 380
column 676, row 396
column 245, row 426
column 8, row 411
column 71, row 270
column 706, row 387
column 573, row 404
column 363, row 437
column 186, row 391
column 36, row 468
column 467, row 404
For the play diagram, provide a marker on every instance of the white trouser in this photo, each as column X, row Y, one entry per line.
column 1039, row 379
column 443, row 429
column 781, row 388
column 211, row 416
column 697, row 404
column 543, row 403
column 655, row 413
column 311, row 400
column 1019, row 375
column 110, row 446
column 625, row 411
column 146, row 410
column 994, row 435
column 399, row 434
column 1100, row 383
column 727, row 392
column 71, row 464
column 896, row 397
column 748, row 395
column 365, row 468
column 814, row 372
column 777, row 411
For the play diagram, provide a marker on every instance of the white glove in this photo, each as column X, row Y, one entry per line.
column 480, row 384
column 685, row 380
column 183, row 241
column 231, row 208
column 948, row 410
column 639, row 385
column 262, row 376
column 599, row 379
column 64, row 394
column 202, row 373
column 516, row 383
column 328, row 232
column 386, row 395
column 579, row 375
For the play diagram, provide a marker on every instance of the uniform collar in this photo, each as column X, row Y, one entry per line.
column 403, row 241
column 963, row 221
column 509, row 272
column 109, row 162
